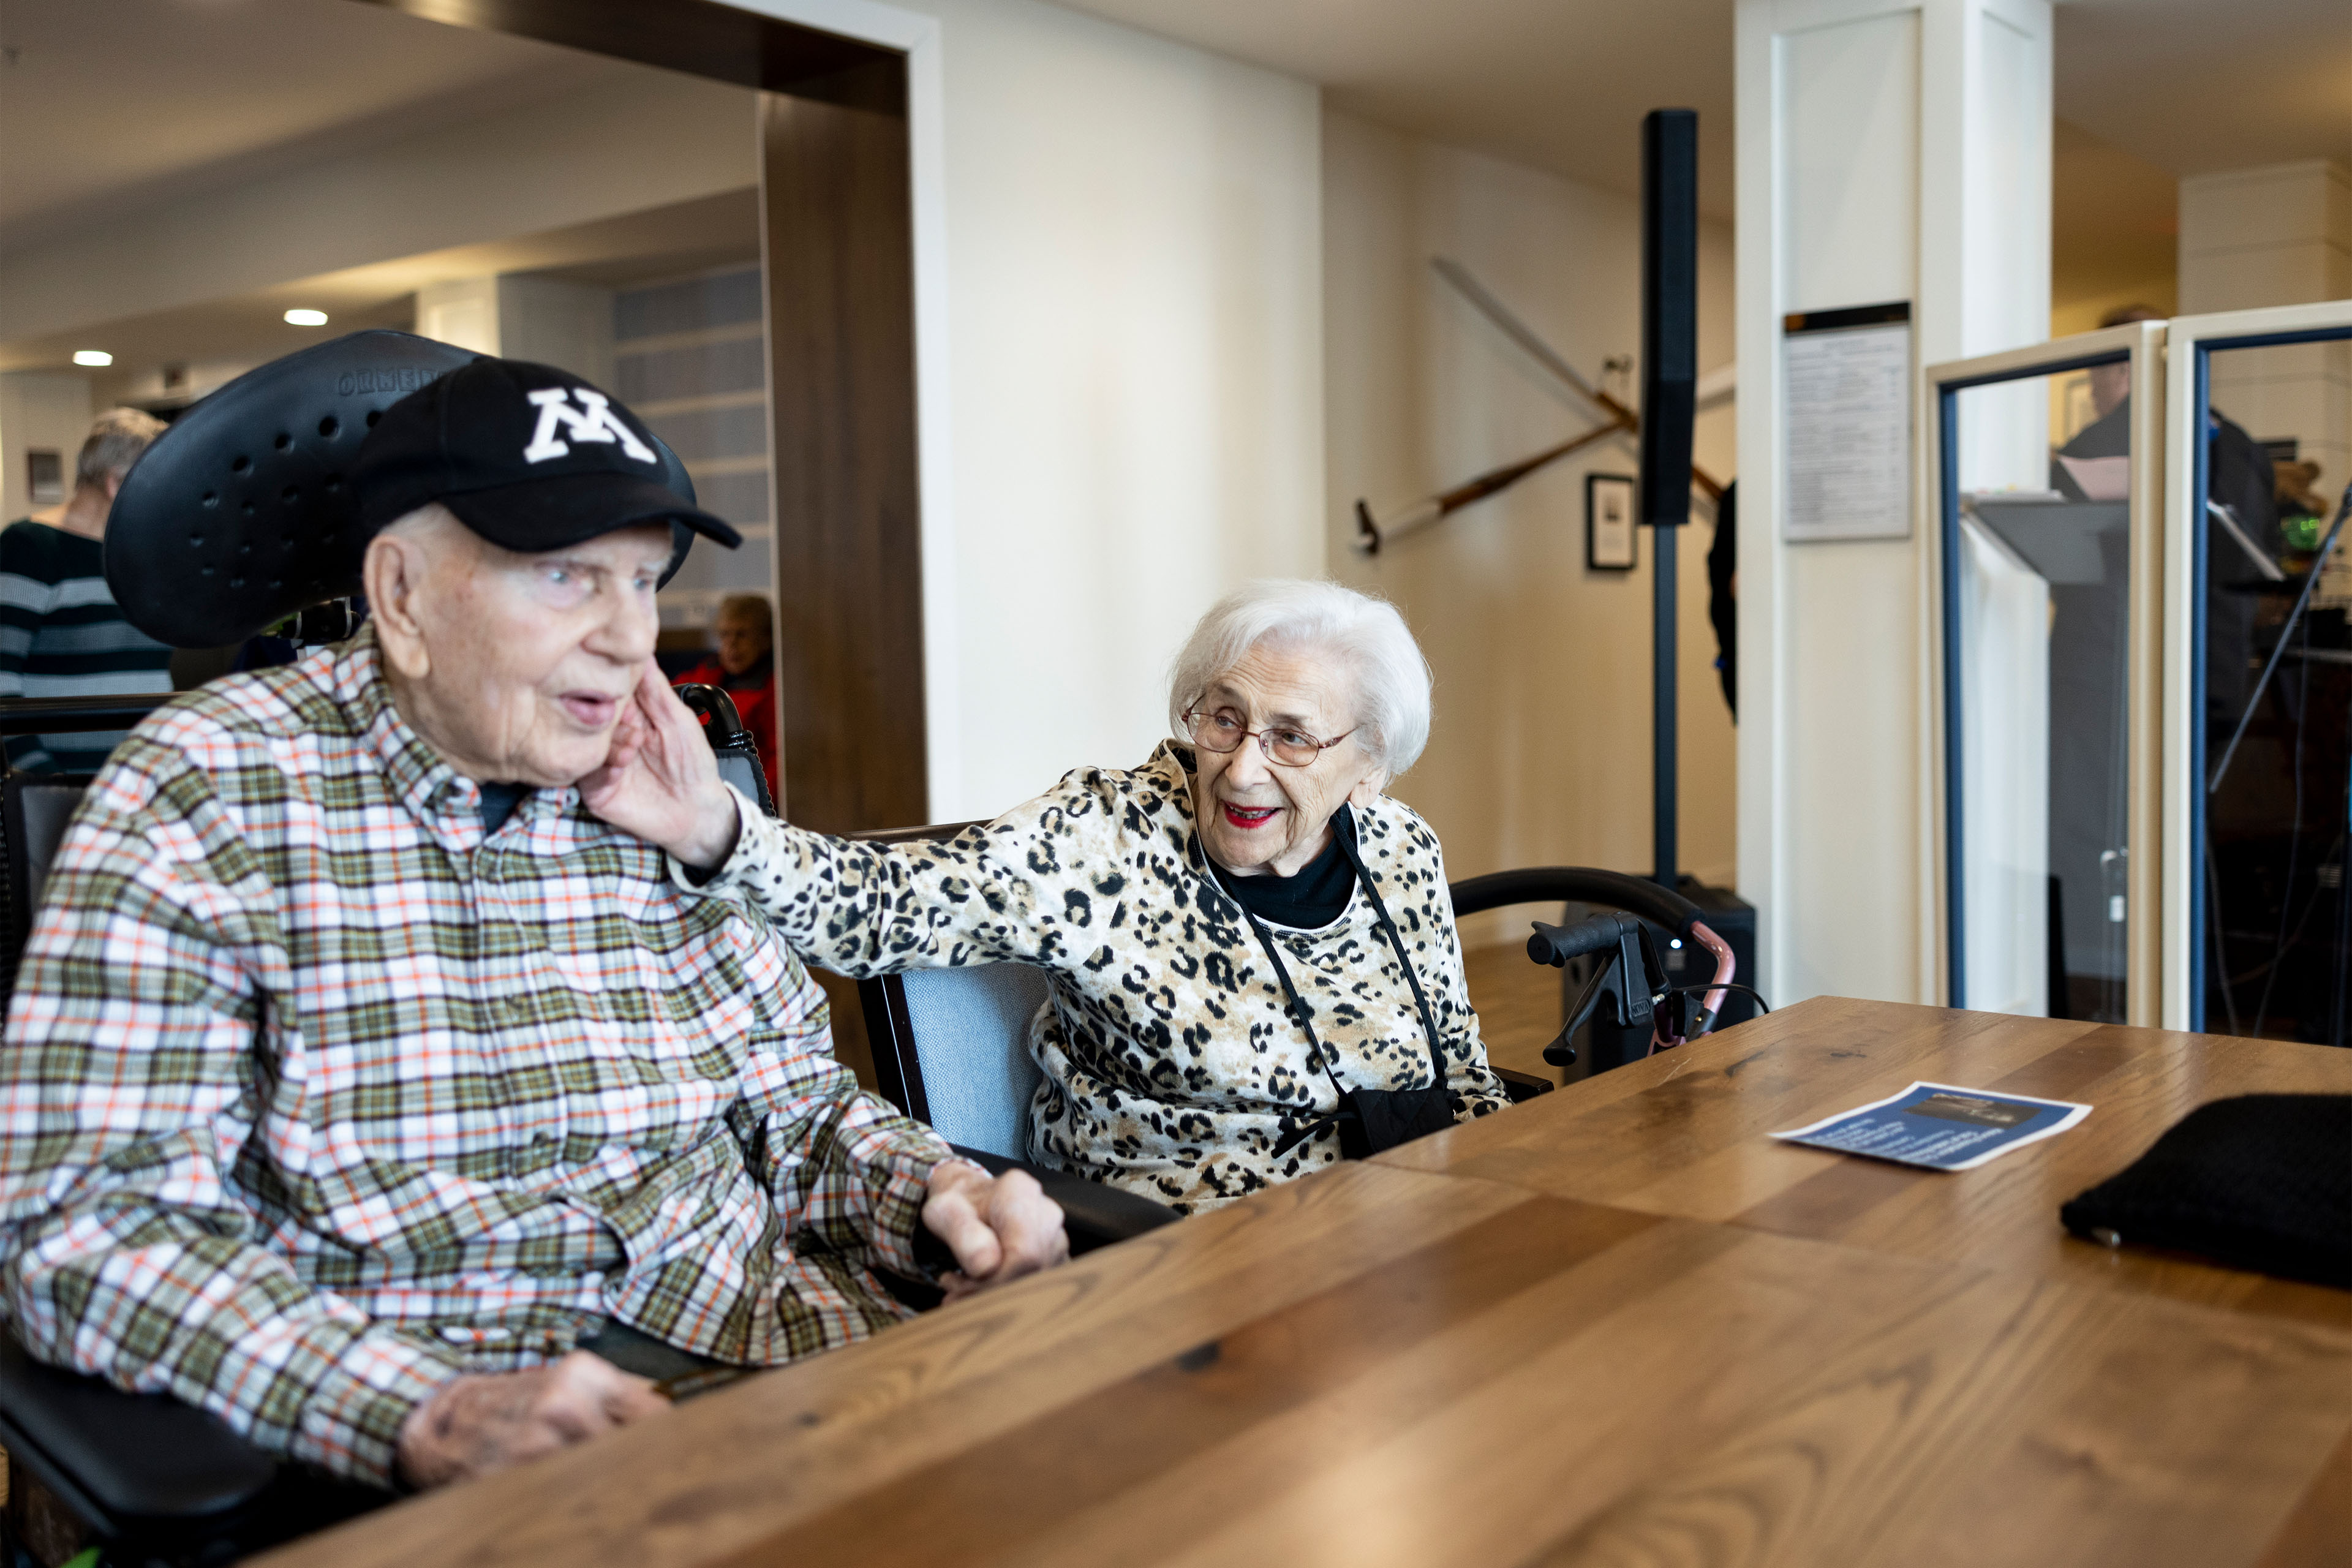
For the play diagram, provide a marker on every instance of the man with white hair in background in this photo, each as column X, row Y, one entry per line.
column 60, row 633
column 362, row 1089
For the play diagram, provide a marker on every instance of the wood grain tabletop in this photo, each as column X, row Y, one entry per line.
column 1383, row 1367
column 1686, row 1132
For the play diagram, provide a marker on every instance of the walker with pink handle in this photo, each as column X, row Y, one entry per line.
column 1620, row 940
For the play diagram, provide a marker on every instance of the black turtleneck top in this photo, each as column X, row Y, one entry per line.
column 1309, row 900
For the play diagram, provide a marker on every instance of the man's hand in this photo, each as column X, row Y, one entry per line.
column 660, row 781
column 479, row 1424
column 1000, row 1227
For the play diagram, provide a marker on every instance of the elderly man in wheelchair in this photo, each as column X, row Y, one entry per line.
column 364, row 1090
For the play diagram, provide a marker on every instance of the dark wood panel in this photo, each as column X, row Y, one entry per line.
column 1684, row 1133
column 835, row 194
column 700, row 37
column 1378, row 1366
column 848, row 546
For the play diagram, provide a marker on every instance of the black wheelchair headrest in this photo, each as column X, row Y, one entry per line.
column 241, row 514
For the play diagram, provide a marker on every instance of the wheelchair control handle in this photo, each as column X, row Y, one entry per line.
column 1556, row 945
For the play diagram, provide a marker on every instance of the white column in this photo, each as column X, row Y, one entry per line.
column 461, row 311
column 1888, row 150
column 517, row 316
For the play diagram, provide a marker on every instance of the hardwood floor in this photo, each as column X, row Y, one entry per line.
column 1520, row 1008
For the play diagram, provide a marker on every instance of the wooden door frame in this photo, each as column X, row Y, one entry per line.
column 856, row 440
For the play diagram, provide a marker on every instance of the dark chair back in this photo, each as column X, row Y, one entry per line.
column 242, row 512
column 35, row 807
column 34, row 811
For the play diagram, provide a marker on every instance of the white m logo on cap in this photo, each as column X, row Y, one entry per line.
column 596, row 424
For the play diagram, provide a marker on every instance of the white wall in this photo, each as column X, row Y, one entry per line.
column 1539, row 753
column 1133, row 361
column 44, row 410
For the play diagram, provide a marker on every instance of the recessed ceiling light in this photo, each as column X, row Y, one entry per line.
column 307, row 317
column 92, row 356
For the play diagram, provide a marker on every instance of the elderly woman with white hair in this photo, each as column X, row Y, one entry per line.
column 1254, row 969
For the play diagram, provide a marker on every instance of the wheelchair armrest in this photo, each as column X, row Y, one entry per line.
column 129, row 1464
column 1095, row 1216
column 1522, row 1086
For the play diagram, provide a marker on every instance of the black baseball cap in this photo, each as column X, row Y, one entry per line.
column 530, row 457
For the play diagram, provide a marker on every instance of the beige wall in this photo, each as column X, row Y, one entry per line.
column 1540, row 750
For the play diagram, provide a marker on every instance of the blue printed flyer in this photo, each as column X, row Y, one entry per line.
column 1941, row 1127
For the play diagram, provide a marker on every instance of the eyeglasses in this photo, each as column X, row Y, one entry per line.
column 1222, row 729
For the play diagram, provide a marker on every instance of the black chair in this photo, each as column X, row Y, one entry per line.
column 150, row 1479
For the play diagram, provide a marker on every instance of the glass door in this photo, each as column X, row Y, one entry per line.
column 2047, row 475
column 2259, row 673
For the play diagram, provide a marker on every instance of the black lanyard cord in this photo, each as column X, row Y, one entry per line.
column 1298, row 1006
column 1345, row 833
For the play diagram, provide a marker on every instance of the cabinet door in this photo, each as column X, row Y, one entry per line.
column 2258, row 673
column 2047, row 480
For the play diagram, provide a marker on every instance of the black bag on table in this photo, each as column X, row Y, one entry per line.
column 2261, row 1182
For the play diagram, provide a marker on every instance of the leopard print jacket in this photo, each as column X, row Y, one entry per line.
column 1172, row 1065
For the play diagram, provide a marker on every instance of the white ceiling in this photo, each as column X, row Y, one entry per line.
column 123, row 97
column 653, row 242
column 1559, row 84
column 2193, row 86
column 106, row 105
column 2184, row 85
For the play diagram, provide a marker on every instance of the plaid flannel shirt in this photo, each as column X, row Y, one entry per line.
column 313, row 1096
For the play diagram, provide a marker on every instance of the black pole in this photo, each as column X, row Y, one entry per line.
column 1669, row 396
column 1665, row 715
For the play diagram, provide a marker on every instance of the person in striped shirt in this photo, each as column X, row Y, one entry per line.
column 60, row 633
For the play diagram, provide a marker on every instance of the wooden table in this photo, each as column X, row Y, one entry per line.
column 1685, row 1134
column 1617, row 1326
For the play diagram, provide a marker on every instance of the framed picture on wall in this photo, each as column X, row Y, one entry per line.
column 1609, row 522
column 45, row 478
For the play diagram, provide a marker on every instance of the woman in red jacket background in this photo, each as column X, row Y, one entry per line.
column 744, row 667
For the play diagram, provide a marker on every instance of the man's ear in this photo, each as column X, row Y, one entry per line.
column 394, row 576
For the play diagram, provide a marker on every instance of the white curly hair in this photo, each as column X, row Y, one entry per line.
column 1364, row 635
